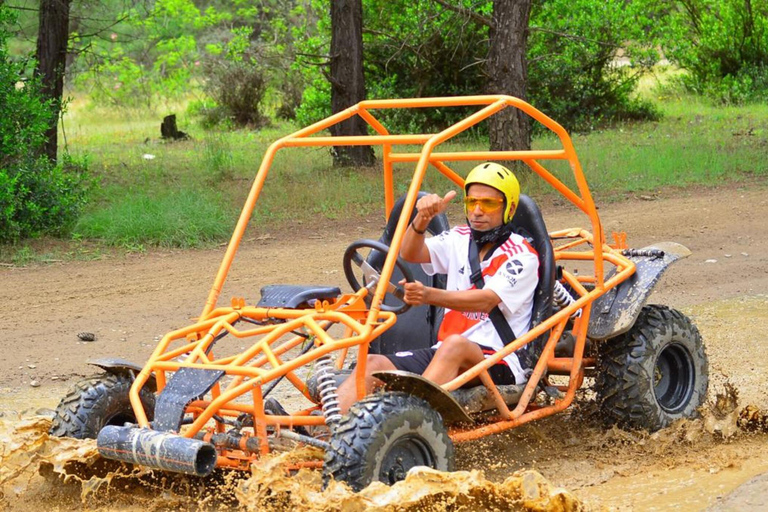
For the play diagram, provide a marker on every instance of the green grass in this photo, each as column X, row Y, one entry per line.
column 189, row 193
column 182, row 217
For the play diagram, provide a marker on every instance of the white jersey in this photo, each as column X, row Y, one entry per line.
column 512, row 272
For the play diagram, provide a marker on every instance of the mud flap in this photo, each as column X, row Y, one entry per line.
column 186, row 385
column 615, row 312
column 439, row 399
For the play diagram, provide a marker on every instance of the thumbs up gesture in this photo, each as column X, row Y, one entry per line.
column 432, row 204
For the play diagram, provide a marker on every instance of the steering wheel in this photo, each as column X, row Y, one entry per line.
column 372, row 275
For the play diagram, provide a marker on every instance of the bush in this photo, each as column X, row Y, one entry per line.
column 41, row 198
column 573, row 75
column 238, row 88
column 723, row 44
column 36, row 196
column 237, row 83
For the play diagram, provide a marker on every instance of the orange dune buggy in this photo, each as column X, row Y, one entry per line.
column 201, row 401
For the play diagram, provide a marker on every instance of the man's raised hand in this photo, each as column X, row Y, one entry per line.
column 432, row 205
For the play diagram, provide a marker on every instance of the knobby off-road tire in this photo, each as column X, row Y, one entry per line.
column 95, row 402
column 655, row 373
column 382, row 437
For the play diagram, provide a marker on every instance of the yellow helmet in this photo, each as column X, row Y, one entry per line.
column 502, row 179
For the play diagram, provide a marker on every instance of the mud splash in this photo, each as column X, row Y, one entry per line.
column 66, row 473
column 422, row 490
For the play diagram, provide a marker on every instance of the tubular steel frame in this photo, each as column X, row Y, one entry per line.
column 261, row 363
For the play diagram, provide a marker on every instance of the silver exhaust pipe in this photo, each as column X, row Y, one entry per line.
column 157, row 450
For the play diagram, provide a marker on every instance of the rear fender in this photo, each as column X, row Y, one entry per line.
column 439, row 399
column 117, row 366
column 615, row 312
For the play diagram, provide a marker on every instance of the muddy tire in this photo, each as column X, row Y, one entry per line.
column 95, row 402
column 655, row 373
column 382, row 437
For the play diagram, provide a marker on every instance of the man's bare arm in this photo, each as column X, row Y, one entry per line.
column 482, row 301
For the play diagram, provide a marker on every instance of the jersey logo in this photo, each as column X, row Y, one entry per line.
column 461, row 271
column 514, row 267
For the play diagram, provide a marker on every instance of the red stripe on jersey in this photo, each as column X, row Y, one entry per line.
column 510, row 247
column 494, row 265
column 530, row 247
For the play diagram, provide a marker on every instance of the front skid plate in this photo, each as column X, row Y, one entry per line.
column 615, row 312
column 439, row 399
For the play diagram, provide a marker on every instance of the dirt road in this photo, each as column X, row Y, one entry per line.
column 130, row 301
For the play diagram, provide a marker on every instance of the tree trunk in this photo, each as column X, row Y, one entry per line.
column 51, row 61
column 508, row 73
column 347, row 80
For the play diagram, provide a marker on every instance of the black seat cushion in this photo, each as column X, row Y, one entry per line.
column 528, row 222
column 417, row 327
column 295, row 296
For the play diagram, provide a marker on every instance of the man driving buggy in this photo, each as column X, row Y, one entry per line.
column 491, row 272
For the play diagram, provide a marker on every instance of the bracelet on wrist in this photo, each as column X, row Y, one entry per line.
column 418, row 231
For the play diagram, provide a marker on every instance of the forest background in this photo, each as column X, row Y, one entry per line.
column 658, row 93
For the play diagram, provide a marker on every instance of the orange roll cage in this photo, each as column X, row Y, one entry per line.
column 263, row 361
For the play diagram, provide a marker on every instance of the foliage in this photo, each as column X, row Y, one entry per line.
column 412, row 49
column 36, row 196
column 418, row 49
column 573, row 73
column 163, row 51
column 724, row 46
column 148, row 54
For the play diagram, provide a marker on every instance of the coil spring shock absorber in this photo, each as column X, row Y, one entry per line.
column 329, row 397
column 562, row 298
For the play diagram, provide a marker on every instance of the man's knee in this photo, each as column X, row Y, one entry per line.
column 459, row 348
column 454, row 344
column 377, row 362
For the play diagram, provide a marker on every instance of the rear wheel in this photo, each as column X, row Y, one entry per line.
column 385, row 435
column 95, row 402
column 655, row 373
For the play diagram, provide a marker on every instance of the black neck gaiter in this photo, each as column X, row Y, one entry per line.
column 492, row 236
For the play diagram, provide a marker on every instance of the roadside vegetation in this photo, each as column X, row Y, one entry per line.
column 188, row 193
column 239, row 77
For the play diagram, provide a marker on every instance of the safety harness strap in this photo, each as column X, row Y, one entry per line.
column 497, row 317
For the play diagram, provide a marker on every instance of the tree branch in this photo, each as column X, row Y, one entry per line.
column 20, row 8
column 469, row 13
column 105, row 28
column 569, row 36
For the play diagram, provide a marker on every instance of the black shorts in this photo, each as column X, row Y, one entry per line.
column 416, row 361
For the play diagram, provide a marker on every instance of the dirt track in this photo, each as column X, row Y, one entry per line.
column 130, row 301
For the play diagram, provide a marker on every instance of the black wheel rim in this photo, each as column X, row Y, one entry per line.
column 406, row 453
column 673, row 378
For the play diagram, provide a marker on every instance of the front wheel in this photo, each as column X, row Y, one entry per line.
column 655, row 373
column 382, row 437
column 95, row 402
